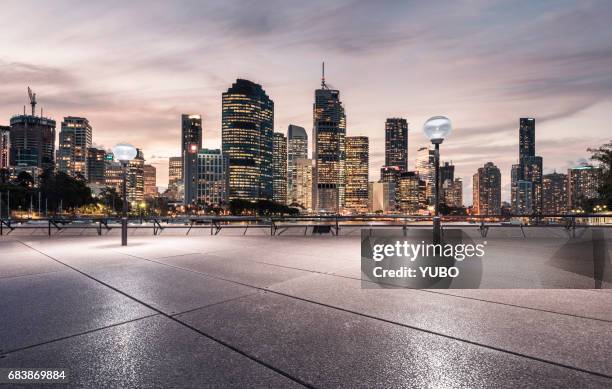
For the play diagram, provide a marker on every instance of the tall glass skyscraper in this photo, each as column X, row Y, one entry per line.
column 297, row 148
column 526, row 177
column 247, row 126
column 329, row 132
column 486, row 191
column 279, row 166
column 357, row 178
column 32, row 141
column 191, row 143
column 5, row 145
column 74, row 141
column 396, row 143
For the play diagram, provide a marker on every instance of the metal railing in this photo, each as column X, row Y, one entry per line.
column 317, row 224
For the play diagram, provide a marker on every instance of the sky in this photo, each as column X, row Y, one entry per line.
column 132, row 68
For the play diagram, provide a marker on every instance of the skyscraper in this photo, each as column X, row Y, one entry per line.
column 32, row 141
column 135, row 183
column 412, row 193
column 191, row 143
column 150, row 181
column 487, row 190
column 381, row 197
column 279, row 168
column 247, row 127
column 5, row 146
column 554, row 194
column 526, row 137
column 329, row 131
column 297, row 148
column 303, row 184
column 527, row 198
column 96, row 159
column 583, row 184
column 212, row 178
column 175, row 171
column 357, row 177
column 453, row 192
column 396, row 143
column 425, row 168
column 74, row 140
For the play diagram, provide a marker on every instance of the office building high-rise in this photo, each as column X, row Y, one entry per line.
column 96, row 161
column 526, row 137
column 74, row 140
column 453, row 192
column 583, row 184
column 381, row 197
column 191, row 143
column 329, row 132
column 357, row 177
column 135, row 183
column 526, row 199
column 554, row 194
column 212, row 178
column 396, row 143
column 412, row 193
column 150, row 181
column 247, row 128
column 32, row 140
column 297, row 148
column 5, row 146
column 447, row 172
column 279, row 168
column 175, row 171
column 303, row 184
column 425, row 168
column 487, row 190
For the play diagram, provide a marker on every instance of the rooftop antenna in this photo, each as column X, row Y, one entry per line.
column 32, row 101
column 323, row 86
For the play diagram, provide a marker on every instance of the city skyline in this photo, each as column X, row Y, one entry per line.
column 140, row 99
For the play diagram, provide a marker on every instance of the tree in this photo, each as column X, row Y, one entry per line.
column 111, row 199
column 61, row 188
column 603, row 155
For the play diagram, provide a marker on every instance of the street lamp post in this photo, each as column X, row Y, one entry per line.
column 437, row 129
column 124, row 153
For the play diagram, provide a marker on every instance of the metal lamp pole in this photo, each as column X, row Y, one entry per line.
column 437, row 129
column 124, row 214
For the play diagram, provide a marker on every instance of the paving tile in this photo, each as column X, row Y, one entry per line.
column 167, row 289
column 564, row 339
column 330, row 348
column 150, row 353
column 43, row 307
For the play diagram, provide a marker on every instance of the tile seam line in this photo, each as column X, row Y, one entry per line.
column 186, row 325
column 334, row 274
column 431, row 332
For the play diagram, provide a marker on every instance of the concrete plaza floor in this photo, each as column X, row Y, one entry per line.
column 279, row 311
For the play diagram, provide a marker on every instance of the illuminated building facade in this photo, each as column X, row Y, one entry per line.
column 329, row 132
column 32, row 142
column 412, row 193
column 396, row 143
column 357, row 178
column 526, row 199
column 150, row 181
column 583, row 184
column 297, row 148
column 391, row 174
column 247, row 127
column 554, row 194
column 74, row 142
column 135, row 183
column 96, row 162
column 486, row 190
column 191, row 143
column 303, row 188
column 5, row 146
column 452, row 191
column 279, row 168
column 212, row 178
